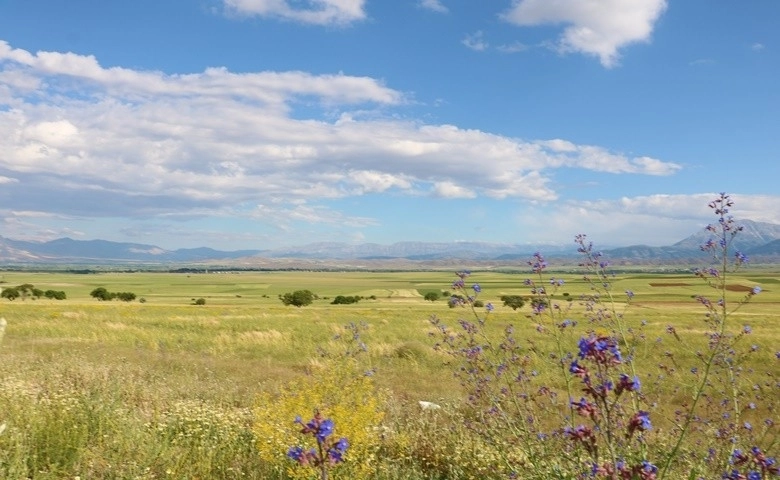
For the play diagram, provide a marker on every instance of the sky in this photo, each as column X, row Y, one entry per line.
column 256, row 124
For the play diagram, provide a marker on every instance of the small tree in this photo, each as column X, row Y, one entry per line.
column 200, row 301
column 124, row 296
column 432, row 296
column 101, row 294
column 298, row 298
column 346, row 299
column 10, row 293
column 55, row 294
column 513, row 301
column 25, row 289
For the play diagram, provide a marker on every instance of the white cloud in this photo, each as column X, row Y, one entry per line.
column 654, row 220
column 315, row 12
column 373, row 181
column 594, row 27
column 434, row 5
column 598, row 159
column 476, row 41
column 451, row 190
column 90, row 141
column 757, row 47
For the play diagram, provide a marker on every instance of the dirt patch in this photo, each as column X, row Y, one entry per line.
column 670, row 284
column 738, row 288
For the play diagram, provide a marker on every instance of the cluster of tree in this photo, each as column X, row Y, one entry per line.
column 104, row 295
column 28, row 290
column 346, row 300
column 298, row 298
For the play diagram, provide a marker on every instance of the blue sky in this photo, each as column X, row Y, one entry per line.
column 251, row 124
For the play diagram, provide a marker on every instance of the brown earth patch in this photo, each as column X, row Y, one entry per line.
column 738, row 288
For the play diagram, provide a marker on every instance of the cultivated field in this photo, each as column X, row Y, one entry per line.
column 163, row 388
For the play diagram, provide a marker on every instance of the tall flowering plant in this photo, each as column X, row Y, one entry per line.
column 605, row 428
column 719, row 400
column 327, row 452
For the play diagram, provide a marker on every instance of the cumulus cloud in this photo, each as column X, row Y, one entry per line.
column 88, row 141
column 315, row 12
column 594, row 27
column 656, row 220
column 450, row 190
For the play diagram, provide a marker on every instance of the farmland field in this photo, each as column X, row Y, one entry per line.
column 106, row 370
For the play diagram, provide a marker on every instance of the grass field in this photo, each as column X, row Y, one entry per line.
column 166, row 389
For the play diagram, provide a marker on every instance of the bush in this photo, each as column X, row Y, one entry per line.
column 200, row 301
column 55, row 294
column 298, row 298
column 10, row 293
column 432, row 296
column 125, row 296
column 337, row 388
column 102, row 294
column 513, row 301
column 345, row 300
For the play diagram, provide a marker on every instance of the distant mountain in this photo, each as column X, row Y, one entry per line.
column 753, row 234
column 760, row 241
column 411, row 250
column 772, row 248
column 67, row 250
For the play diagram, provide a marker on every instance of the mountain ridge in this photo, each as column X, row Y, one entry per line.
column 759, row 239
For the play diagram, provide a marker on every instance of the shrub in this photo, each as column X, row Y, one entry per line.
column 339, row 391
column 513, row 301
column 338, row 387
column 432, row 296
column 345, row 300
column 10, row 293
column 298, row 298
column 55, row 294
column 124, row 296
column 101, row 294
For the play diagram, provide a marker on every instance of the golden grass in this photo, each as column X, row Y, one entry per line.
column 144, row 373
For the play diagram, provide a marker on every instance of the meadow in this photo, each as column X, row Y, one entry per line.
column 163, row 388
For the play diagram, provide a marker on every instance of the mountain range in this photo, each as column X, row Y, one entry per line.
column 759, row 240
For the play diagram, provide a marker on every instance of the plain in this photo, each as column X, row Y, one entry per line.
column 85, row 384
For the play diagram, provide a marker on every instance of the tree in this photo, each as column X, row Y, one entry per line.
column 25, row 289
column 101, row 294
column 431, row 296
column 200, row 301
column 298, row 298
column 55, row 294
column 124, row 296
column 345, row 300
column 513, row 301
column 10, row 293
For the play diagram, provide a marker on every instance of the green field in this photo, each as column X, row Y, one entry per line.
column 82, row 380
